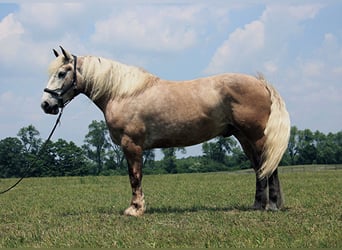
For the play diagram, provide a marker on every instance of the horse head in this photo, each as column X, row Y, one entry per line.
column 62, row 85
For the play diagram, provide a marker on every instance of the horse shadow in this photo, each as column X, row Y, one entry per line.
column 200, row 208
column 197, row 208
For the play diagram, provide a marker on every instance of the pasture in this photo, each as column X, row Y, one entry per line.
column 185, row 210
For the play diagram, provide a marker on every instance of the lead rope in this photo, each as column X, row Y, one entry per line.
column 38, row 155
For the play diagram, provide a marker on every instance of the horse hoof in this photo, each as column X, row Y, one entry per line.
column 271, row 207
column 133, row 211
column 258, row 206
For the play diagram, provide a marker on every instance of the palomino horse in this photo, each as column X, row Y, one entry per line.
column 143, row 111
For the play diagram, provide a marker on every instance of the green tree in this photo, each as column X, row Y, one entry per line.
column 45, row 163
column 148, row 158
column 31, row 141
column 70, row 159
column 338, row 150
column 12, row 161
column 292, row 149
column 115, row 156
column 328, row 148
column 30, row 138
column 97, row 144
column 169, row 160
column 217, row 149
column 306, row 147
column 238, row 159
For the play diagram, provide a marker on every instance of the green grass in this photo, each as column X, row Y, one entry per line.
column 188, row 210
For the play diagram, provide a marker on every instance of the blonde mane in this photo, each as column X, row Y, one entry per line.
column 104, row 77
column 55, row 65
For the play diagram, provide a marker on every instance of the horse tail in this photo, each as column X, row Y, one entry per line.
column 277, row 132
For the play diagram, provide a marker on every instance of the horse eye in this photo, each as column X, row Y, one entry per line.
column 61, row 74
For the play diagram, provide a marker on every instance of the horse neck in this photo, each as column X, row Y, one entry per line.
column 104, row 79
column 84, row 86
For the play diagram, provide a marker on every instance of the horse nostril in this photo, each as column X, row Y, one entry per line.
column 49, row 108
column 45, row 105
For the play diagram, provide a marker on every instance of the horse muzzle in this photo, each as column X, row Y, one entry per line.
column 50, row 108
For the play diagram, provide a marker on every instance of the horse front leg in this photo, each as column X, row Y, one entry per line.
column 133, row 154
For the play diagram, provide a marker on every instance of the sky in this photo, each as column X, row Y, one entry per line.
column 297, row 45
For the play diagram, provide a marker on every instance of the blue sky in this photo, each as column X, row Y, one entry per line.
column 297, row 45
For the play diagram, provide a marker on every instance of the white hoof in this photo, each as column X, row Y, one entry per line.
column 137, row 208
column 134, row 211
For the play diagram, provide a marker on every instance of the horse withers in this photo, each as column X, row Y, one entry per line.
column 143, row 111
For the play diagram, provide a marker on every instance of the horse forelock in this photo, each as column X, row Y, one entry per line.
column 55, row 65
column 104, row 77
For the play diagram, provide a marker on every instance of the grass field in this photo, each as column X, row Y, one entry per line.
column 188, row 210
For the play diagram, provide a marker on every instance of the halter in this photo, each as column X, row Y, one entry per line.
column 59, row 92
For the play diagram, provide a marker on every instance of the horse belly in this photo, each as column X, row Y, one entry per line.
column 179, row 134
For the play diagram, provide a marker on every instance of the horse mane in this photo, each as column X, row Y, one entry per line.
column 104, row 77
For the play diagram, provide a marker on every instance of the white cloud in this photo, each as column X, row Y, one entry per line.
column 285, row 19
column 313, row 68
column 238, row 48
column 11, row 31
column 10, row 27
column 28, row 35
column 252, row 47
column 164, row 27
column 303, row 12
column 270, row 67
column 50, row 17
column 150, row 27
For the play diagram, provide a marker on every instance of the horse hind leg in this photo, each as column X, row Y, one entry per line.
column 254, row 152
column 276, row 199
column 268, row 193
column 261, row 194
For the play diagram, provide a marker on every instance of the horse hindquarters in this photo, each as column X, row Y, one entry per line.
column 265, row 144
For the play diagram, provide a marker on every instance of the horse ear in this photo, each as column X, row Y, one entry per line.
column 56, row 53
column 65, row 53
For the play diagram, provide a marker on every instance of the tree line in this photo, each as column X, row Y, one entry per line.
column 25, row 154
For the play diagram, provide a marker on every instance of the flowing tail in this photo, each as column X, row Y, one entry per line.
column 277, row 133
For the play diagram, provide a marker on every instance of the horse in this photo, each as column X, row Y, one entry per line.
column 143, row 111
